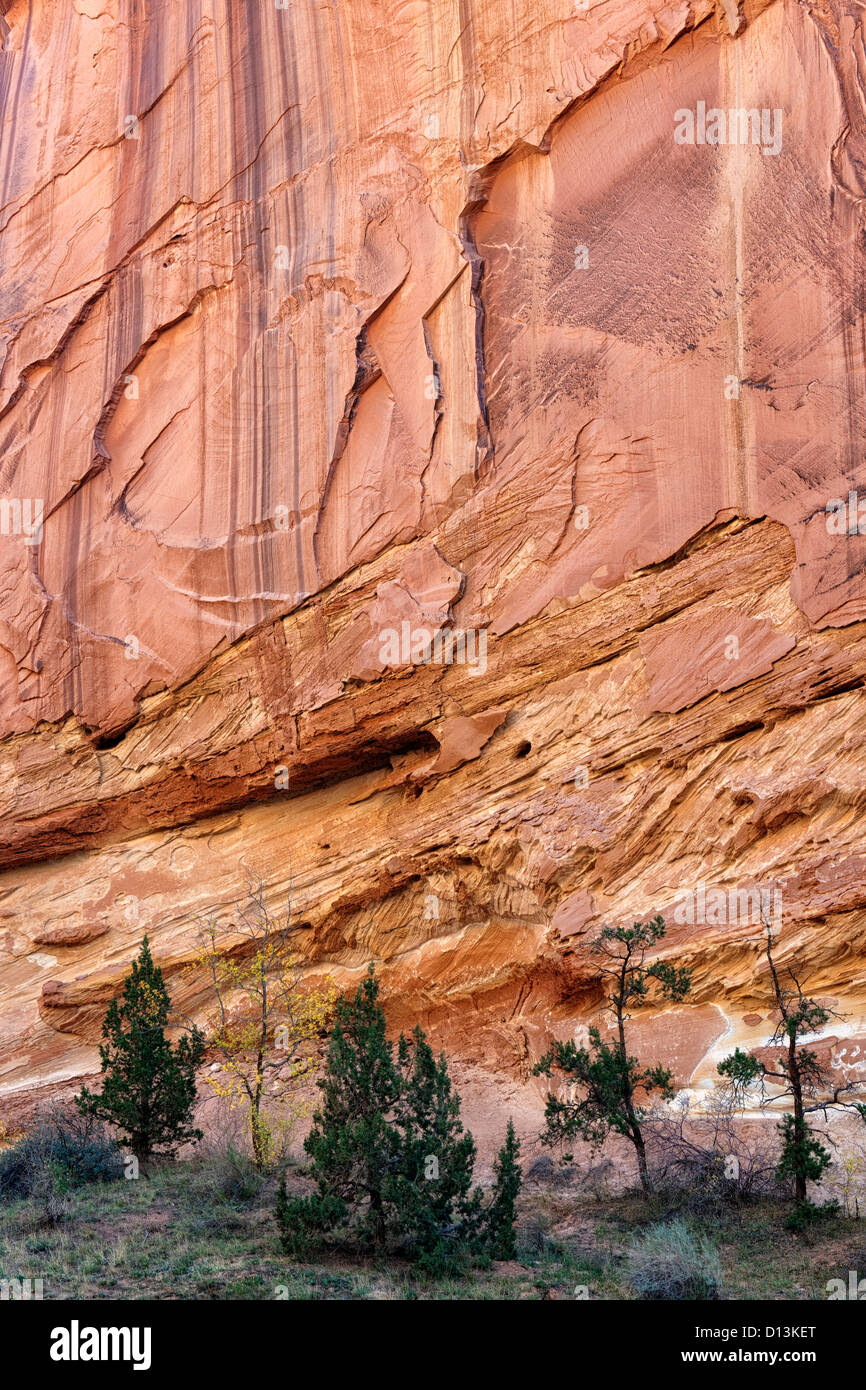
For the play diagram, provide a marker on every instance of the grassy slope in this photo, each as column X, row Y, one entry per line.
column 178, row 1235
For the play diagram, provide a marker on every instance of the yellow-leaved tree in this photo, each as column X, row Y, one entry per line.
column 261, row 1020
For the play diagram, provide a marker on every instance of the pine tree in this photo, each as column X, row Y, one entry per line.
column 148, row 1087
column 353, row 1147
column 803, row 1079
column 501, row 1212
column 605, row 1080
column 435, row 1205
column 390, row 1156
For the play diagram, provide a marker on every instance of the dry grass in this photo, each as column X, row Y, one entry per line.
column 192, row 1230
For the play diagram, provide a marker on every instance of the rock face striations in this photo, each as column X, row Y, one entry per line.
column 431, row 457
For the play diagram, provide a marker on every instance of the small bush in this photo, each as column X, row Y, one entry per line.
column 64, row 1150
column 807, row 1214
column 705, row 1164
column 235, row 1177
column 445, row 1260
column 534, row 1241
column 670, row 1262
column 302, row 1219
column 541, row 1170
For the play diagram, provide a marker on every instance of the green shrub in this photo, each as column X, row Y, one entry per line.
column 807, row 1214
column 234, row 1177
column 533, row 1240
column 62, row 1151
column 148, row 1086
column 390, row 1157
column 446, row 1259
column 670, row 1262
column 303, row 1220
column 501, row 1213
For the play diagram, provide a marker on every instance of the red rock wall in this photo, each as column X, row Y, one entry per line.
column 321, row 321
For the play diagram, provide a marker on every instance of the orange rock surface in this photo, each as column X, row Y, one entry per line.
column 342, row 325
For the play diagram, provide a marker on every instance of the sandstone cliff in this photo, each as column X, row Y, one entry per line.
column 328, row 325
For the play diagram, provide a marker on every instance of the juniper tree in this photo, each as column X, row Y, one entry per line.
column 390, row 1157
column 434, row 1203
column 353, row 1145
column 502, row 1210
column 148, row 1086
column 802, row 1077
column 606, row 1080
